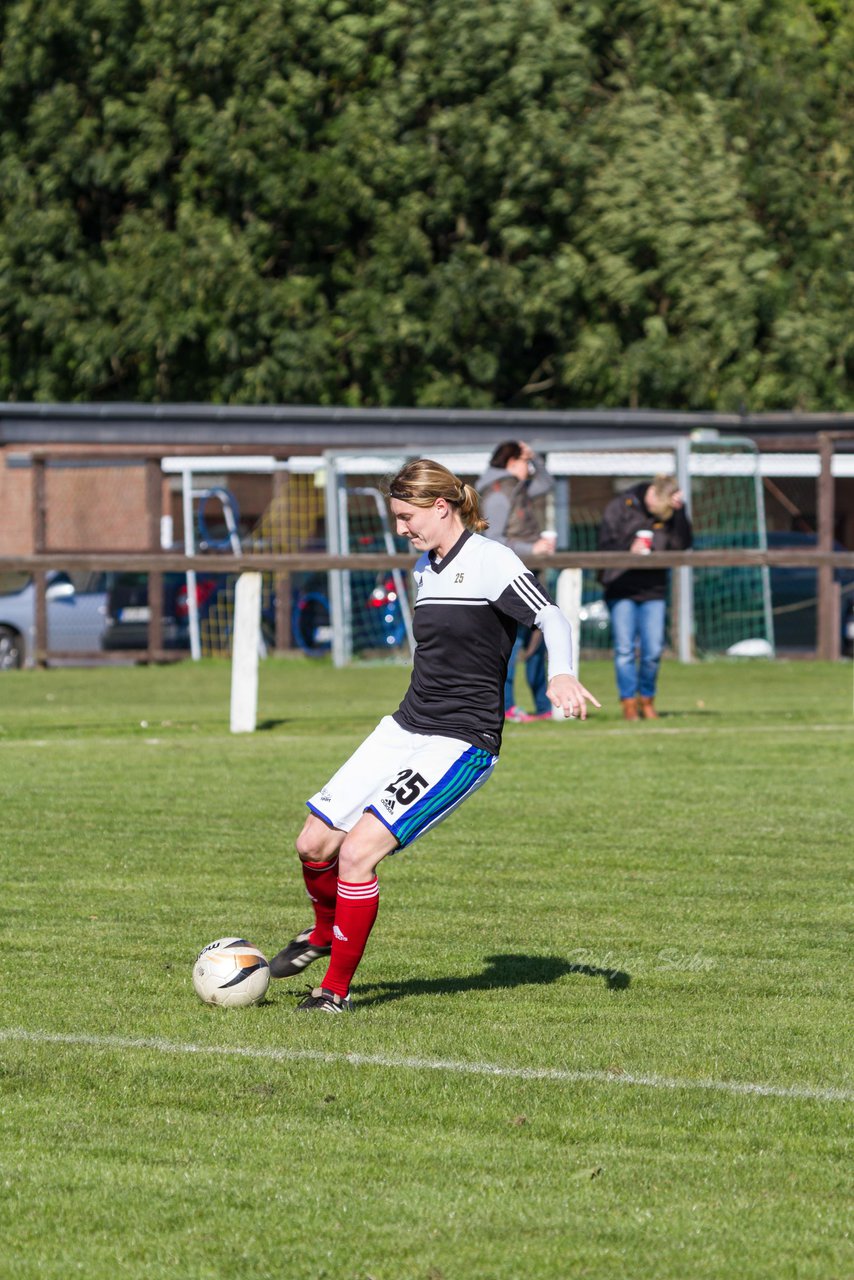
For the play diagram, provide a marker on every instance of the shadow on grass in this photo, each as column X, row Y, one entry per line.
column 500, row 972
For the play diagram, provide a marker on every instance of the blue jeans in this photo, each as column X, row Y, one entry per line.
column 642, row 624
column 535, row 672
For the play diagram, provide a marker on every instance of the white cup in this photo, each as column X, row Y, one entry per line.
column 645, row 536
column 551, row 534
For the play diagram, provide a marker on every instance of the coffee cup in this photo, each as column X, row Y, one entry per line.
column 551, row 535
column 645, row 536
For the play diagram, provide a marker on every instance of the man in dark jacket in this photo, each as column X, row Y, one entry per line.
column 648, row 517
column 515, row 477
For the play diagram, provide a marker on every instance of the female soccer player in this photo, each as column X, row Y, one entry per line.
column 442, row 743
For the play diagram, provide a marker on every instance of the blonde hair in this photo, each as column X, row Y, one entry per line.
column 422, row 481
column 665, row 486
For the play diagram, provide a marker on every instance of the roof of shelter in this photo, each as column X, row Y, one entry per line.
column 312, row 428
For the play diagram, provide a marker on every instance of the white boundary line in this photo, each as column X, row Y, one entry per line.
column 796, row 1092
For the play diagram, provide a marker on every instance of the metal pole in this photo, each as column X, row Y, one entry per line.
column 562, row 510
column 336, row 576
column 764, row 572
column 685, row 574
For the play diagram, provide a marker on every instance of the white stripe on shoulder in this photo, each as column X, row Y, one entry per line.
column 529, row 590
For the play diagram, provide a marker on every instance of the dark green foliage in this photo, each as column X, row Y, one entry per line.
column 534, row 204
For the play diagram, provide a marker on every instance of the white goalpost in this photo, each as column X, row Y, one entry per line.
column 245, row 652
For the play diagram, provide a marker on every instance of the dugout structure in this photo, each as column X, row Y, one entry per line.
column 103, row 512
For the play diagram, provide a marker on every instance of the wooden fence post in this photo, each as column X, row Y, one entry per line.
column 827, row 643
column 39, row 547
column 154, row 513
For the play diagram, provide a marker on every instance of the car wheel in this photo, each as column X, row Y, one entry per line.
column 10, row 649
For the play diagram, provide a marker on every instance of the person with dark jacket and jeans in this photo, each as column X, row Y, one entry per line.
column 649, row 517
column 508, row 488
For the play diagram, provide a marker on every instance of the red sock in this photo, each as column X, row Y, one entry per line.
column 355, row 914
column 321, row 885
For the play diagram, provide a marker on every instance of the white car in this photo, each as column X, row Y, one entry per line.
column 76, row 616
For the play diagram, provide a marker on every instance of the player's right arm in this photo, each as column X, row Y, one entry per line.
column 521, row 596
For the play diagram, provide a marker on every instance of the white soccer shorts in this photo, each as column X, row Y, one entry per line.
column 410, row 781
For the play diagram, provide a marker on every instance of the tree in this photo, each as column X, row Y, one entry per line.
column 376, row 203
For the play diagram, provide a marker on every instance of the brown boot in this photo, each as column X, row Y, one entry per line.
column 647, row 709
column 630, row 708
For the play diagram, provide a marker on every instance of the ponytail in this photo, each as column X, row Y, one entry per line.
column 469, row 506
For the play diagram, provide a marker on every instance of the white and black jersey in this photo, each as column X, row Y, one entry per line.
column 467, row 609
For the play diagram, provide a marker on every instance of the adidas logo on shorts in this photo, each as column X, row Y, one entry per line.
column 387, row 804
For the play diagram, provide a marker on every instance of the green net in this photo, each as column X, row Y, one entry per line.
column 730, row 604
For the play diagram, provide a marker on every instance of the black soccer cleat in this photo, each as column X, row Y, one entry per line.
column 296, row 956
column 326, row 1001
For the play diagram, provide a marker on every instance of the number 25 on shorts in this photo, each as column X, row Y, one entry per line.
column 413, row 785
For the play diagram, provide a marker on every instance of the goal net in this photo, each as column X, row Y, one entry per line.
column 709, row 610
column 718, row 607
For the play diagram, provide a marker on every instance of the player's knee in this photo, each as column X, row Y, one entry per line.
column 356, row 862
column 305, row 853
column 313, row 845
column 351, row 866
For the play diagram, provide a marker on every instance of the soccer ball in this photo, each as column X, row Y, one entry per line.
column 231, row 972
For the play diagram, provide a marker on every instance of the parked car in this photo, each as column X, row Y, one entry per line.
column 794, row 596
column 129, row 613
column 76, row 615
column 376, row 616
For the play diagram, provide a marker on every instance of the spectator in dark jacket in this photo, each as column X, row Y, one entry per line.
column 515, row 477
column 648, row 517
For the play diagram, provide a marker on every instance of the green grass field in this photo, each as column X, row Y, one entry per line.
column 602, row 1028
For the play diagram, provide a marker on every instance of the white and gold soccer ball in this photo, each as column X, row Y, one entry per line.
column 231, row 972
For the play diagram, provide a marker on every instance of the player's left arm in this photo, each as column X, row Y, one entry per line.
column 564, row 689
